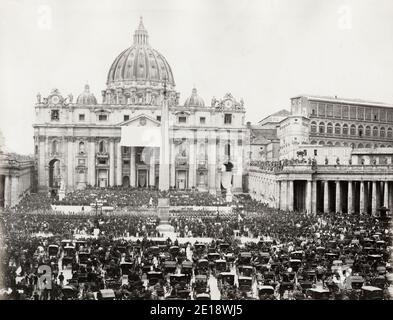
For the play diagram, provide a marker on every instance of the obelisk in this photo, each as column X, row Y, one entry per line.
column 164, row 149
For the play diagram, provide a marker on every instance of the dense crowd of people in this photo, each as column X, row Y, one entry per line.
column 251, row 251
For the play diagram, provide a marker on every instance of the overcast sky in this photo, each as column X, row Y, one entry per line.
column 263, row 51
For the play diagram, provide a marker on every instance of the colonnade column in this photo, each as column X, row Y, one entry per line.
column 119, row 163
column 326, row 197
column 386, row 194
column 362, row 198
column 350, row 197
column 14, row 197
column 132, row 167
column 314, row 198
column 7, row 191
column 374, row 199
column 283, row 196
column 338, row 197
column 308, row 197
column 290, row 195
column 111, row 163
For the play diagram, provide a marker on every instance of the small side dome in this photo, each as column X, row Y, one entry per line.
column 194, row 100
column 86, row 97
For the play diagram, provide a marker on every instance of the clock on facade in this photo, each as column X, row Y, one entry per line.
column 55, row 99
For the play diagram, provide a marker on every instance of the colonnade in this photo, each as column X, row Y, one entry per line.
column 327, row 196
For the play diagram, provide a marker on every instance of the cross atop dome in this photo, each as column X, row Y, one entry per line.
column 140, row 35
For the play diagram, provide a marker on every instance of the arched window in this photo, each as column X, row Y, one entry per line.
column 55, row 146
column 345, row 144
column 390, row 133
column 81, row 147
column 382, row 146
column 345, row 129
column 329, row 128
column 313, row 142
column 329, row 143
column 368, row 131
column 360, row 131
column 382, row 132
column 360, row 145
column 353, row 130
column 375, row 131
column 321, row 143
column 337, row 144
column 313, row 127
column 321, row 127
column 101, row 147
column 368, row 145
column 337, row 128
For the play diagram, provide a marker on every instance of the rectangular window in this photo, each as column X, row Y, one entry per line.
column 202, row 120
column 126, row 117
column 126, row 162
column 315, row 152
column 227, row 118
column 102, row 161
column 158, row 118
column 182, row 119
column 81, row 162
column 54, row 115
column 102, row 117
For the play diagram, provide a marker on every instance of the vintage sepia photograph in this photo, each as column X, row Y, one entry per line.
column 196, row 150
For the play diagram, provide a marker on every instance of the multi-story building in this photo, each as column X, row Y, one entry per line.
column 116, row 142
column 335, row 155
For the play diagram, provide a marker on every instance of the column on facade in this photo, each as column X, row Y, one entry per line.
column 386, row 194
column 290, row 195
column 212, row 157
column 132, row 167
column 70, row 162
column 111, row 163
column 191, row 163
column 314, row 198
column 308, row 196
column 172, row 157
column 350, row 198
column 326, row 197
column 152, row 167
column 283, row 196
column 237, row 159
column 338, row 197
column 374, row 199
column 92, row 162
column 41, row 162
column 362, row 198
column 119, row 162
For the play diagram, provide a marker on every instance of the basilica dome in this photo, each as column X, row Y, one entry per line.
column 194, row 100
column 139, row 63
column 86, row 97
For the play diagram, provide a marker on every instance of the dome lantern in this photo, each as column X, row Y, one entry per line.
column 141, row 36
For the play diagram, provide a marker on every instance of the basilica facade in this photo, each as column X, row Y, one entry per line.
column 116, row 142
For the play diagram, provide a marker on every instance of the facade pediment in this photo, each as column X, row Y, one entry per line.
column 141, row 120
